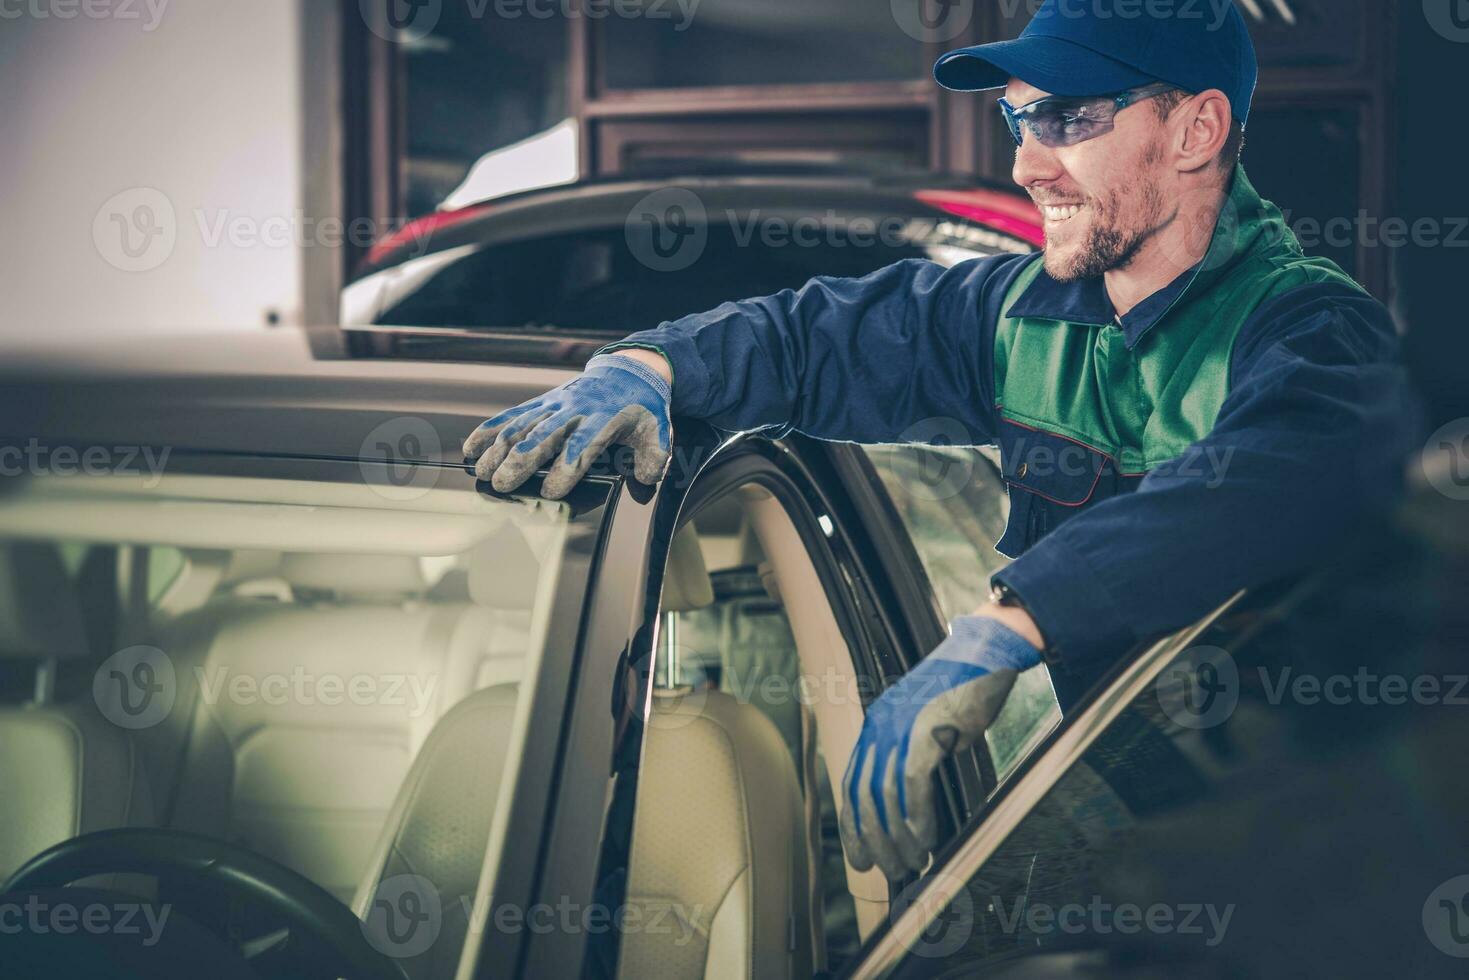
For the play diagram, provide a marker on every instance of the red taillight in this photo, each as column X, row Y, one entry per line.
column 419, row 230
column 1003, row 212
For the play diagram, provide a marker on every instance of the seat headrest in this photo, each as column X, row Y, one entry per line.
column 40, row 616
column 686, row 583
column 356, row 576
column 504, row 571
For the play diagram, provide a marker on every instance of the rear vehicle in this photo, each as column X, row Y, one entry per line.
column 605, row 258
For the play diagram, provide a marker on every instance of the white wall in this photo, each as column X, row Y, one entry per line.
column 195, row 106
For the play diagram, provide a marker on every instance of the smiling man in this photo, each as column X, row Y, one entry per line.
column 1186, row 405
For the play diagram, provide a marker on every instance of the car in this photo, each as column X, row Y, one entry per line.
column 347, row 712
column 613, row 255
column 290, row 625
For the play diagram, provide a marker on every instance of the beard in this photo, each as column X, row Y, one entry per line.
column 1119, row 227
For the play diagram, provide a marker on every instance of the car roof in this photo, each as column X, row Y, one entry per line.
column 280, row 391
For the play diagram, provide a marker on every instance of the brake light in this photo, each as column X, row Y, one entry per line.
column 420, row 230
column 995, row 209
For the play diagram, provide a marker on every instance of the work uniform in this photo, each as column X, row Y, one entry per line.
column 1225, row 432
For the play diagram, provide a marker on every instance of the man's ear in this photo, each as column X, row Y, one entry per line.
column 1205, row 121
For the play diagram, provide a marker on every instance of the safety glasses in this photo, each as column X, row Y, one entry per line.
column 1059, row 120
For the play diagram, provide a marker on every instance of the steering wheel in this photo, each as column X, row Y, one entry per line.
column 302, row 903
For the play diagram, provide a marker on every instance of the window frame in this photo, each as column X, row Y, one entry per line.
column 1065, row 747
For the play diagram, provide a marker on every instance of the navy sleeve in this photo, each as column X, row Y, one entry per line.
column 1312, row 438
column 857, row 360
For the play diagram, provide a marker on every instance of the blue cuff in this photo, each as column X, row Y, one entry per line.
column 652, row 378
column 690, row 376
column 987, row 643
column 1070, row 603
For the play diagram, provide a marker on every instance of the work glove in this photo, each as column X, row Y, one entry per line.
column 616, row 399
column 941, row 706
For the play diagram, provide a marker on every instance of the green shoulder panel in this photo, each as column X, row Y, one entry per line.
column 1146, row 405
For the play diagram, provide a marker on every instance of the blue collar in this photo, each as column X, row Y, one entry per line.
column 1085, row 301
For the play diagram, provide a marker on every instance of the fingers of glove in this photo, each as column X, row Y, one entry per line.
column 649, row 441
column 881, row 790
column 510, row 434
column 925, row 753
column 857, row 854
column 483, row 437
column 585, row 443
column 532, row 451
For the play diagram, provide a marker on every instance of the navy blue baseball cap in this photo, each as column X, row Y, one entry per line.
column 1099, row 47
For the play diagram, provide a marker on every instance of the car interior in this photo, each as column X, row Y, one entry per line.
column 290, row 678
column 754, row 709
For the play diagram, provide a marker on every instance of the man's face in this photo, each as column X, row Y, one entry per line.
column 1102, row 199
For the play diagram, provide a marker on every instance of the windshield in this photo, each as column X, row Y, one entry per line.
column 326, row 673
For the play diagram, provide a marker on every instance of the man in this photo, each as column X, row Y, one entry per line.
column 1186, row 405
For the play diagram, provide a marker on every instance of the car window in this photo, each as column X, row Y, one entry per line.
column 624, row 278
column 953, row 504
column 753, row 710
column 1257, row 801
column 313, row 651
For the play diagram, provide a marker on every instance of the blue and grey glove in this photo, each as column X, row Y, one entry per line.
column 941, row 706
column 615, row 400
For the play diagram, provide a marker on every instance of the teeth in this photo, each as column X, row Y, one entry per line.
column 1062, row 213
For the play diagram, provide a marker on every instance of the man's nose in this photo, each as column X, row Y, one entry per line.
column 1035, row 163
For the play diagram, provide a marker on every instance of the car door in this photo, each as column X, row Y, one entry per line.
column 937, row 511
column 1261, row 794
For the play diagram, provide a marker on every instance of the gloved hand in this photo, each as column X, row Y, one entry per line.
column 616, row 399
column 943, row 705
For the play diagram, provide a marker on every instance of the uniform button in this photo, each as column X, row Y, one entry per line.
column 1024, row 468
